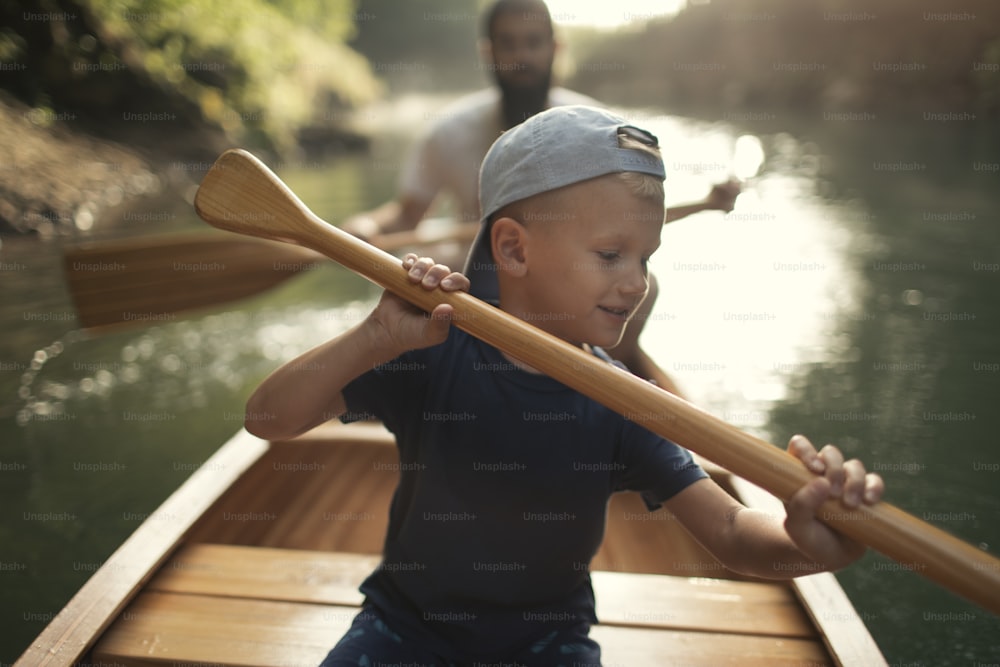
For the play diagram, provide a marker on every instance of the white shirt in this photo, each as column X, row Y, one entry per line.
column 448, row 156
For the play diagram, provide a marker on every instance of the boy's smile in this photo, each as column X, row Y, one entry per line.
column 582, row 271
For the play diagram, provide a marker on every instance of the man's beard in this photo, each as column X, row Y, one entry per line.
column 522, row 101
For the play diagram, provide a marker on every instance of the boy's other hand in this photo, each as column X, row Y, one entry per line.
column 403, row 326
column 835, row 478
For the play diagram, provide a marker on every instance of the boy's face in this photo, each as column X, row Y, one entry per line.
column 586, row 260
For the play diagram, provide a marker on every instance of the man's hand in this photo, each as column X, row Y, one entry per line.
column 723, row 196
column 364, row 226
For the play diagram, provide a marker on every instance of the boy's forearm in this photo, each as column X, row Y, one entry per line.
column 307, row 391
column 764, row 549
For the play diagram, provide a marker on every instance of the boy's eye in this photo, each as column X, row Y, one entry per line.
column 608, row 255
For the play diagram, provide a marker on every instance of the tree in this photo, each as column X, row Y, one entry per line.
column 259, row 69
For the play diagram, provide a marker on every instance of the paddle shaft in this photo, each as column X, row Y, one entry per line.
column 240, row 194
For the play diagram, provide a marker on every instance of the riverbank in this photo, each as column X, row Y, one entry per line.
column 63, row 178
column 107, row 104
column 59, row 179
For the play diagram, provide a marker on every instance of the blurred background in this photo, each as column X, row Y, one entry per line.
column 851, row 295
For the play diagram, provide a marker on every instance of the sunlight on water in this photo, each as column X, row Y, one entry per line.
column 184, row 361
column 747, row 298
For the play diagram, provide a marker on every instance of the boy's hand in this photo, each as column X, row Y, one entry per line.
column 402, row 326
column 836, row 478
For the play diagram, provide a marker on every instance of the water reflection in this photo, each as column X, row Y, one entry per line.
column 913, row 394
column 224, row 352
column 750, row 297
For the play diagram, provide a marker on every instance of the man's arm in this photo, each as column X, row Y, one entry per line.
column 633, row 356
column 397, row 215
column 419, row 184
column 721, row 198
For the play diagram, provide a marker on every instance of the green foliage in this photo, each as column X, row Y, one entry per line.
column 11, row 44
column 986, row 75
column 258, row 66
column 263, row 70
column 431, row 43
column 331, row 19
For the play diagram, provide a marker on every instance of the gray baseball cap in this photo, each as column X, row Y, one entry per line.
column 555, row 148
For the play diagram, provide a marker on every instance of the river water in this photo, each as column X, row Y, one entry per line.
column 851, row 296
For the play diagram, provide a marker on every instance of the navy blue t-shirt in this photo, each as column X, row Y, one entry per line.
column 505, row 477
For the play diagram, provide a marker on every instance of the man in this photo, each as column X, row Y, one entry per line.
column 519, row 49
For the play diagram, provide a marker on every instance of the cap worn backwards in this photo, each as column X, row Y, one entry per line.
column 555, row 148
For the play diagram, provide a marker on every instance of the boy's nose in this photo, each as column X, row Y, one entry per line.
column 636, row 281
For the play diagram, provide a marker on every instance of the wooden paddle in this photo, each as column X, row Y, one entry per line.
column 240, row 194
column 145, row 280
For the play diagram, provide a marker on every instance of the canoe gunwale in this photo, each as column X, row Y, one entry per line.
column 78, row 626
column 839, row 625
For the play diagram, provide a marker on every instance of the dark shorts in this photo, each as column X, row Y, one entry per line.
column 370, row 642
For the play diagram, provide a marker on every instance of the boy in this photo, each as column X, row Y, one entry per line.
column 506, row 473
column 519, row 49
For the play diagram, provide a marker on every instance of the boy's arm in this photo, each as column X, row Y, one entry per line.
column 308, row 390
column 764, row 545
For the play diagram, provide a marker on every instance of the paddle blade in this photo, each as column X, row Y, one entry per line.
column 240, row 194
column 149, row 280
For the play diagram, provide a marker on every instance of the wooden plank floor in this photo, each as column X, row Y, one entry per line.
column 295, row 575
column 293, row 540
column 322, row 492
column 182, row 630
column 303, row 525
column 215, row 604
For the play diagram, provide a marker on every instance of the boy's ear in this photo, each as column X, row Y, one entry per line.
column 509, row 242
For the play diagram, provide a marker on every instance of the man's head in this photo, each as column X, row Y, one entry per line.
column 519, row 48
column 572, row 204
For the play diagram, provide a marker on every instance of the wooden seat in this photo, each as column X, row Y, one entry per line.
column 238, row 605
column 291, row 499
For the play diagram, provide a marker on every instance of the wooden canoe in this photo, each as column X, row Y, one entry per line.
column 256, row 560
